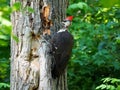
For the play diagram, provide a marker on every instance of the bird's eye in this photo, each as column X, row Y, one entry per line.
column 64, row 21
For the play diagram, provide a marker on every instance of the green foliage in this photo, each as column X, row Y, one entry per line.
column 30, row 10
column 96, row 52
column 4, row 66
column 15, row 37
column 16, row 6
column 110, row 3
column 76, row 7
column 109, row 84
column 5, row 25
column 5, row 30
column 4, row 85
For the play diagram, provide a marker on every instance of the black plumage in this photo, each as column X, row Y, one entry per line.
column 62, row 43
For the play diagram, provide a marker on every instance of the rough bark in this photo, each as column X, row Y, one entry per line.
column 31, row 59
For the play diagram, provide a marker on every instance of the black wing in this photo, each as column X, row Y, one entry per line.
column 62, row 44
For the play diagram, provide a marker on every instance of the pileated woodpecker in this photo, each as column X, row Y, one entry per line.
column 62, row 43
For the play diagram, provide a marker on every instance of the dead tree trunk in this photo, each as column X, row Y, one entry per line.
column 30, row 56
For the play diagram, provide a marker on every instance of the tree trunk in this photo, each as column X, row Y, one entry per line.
column 31, row 59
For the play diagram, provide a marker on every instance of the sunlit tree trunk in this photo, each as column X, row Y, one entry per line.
column 31, row 57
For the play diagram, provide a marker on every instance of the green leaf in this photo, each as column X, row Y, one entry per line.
column 30, row 10
column 77, row 7
column 102, row 86
column 105, row 80
column 3, row 43
column 4, row 21
column 16, row 6
column 118, row 40
column 116, row 65
column 4, row 85
column 4, row 37
column 78, row 61
column 115, row 80
column 15, row 37
column 110, row 3
column 118, row 87
column 80, row 5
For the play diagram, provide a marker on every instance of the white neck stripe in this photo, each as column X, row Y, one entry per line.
column 61, row 30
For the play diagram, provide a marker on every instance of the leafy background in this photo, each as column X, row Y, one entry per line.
column 96, row 52
column 5, row 28
column 95, row 61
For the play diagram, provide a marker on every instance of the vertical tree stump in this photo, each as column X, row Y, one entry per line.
column 30, row 56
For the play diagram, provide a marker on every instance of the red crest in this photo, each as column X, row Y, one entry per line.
column 70, row 18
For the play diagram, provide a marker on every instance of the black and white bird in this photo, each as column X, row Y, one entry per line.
column 62, row 43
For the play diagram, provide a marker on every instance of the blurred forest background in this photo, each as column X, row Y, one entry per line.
column 95, row 62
